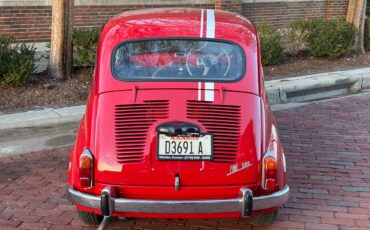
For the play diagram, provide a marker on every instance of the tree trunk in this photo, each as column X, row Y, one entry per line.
column 356, row 15
column 218, row 4
column 69, row 32
column 60, row 63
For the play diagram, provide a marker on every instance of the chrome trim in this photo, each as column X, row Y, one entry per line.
column 83, row 199
column 181, row 206
column 273, row 200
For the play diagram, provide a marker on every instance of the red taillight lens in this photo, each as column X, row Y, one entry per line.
column 269, row 173
column 86, row 168
column 269, row 163
column 270, row 167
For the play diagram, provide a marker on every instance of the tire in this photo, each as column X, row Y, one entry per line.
column 90, row 218
column 265, row 218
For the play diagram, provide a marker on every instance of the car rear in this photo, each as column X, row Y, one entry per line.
column 177, row 130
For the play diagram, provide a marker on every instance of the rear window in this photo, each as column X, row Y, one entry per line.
column 178, row 60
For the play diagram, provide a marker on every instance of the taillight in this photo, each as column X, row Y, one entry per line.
column 86, row 169
column 269, row 165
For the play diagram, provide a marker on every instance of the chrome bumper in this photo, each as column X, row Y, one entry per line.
column 244, row 204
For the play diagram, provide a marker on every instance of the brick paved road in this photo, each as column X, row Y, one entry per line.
column 328, row 153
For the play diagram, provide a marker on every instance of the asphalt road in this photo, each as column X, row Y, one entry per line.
column 327, row 146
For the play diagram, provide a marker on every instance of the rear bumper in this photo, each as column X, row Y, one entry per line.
column 244, row 204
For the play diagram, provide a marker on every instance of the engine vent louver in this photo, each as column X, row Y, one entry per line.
column 221, row 120
column 132, row 122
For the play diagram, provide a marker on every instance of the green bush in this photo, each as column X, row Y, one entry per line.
column 6, row 40
column 296, row 37
column 367, row 35
column 271, row 44
column 6, row 51
column 330, row 38
column 84, row 46
column 18, row 74
column 17, row 61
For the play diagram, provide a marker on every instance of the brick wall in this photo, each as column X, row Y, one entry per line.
column 336, row 7
column 88, row 16
column 30, row 20
column 230, row 5
column 27, row 23
column 283, row 13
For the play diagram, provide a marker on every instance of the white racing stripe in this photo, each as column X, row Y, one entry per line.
column 210, row 32
column 209, row 93
column 199, row 91
column 201, row 22
column 200, row 35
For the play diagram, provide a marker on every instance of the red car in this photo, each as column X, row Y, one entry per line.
column 178, row 122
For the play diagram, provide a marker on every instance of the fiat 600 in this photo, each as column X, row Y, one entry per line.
column 178, row 122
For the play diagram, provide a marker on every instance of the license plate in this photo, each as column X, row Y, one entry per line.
column 191, row 148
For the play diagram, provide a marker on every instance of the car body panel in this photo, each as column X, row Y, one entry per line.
column 150, row 171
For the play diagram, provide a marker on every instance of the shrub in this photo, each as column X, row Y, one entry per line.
column 367, row 35
column 84, row 46
column 18, row 74
column 17, row 61
column 6, row 51
column 296, row 37
column 332, row 39
column 271, row 44
column 6, row 40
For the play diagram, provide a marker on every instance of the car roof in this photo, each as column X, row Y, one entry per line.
column 178, row 18
column 163, row 23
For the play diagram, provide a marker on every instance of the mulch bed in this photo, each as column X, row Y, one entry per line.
column 44, row 92
column 304, row 65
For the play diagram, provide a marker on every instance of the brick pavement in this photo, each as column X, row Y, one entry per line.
column 328, row 155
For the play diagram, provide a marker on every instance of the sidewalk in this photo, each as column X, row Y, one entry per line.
column 44, row 117
column 283, row 94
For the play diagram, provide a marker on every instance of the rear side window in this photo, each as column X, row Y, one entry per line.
column 178, row 60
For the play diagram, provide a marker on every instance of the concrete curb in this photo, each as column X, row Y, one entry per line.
column 45, row 117
column 318, row 86
column 291, row 90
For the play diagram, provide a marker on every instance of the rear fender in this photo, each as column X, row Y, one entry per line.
column 77, row 149
column 84, row 139
column 268, row 121
column 281, row 170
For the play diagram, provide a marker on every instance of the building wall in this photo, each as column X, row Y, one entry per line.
column 29, row 20
column 336, row 7
column 282, row 13
column 27, row 23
